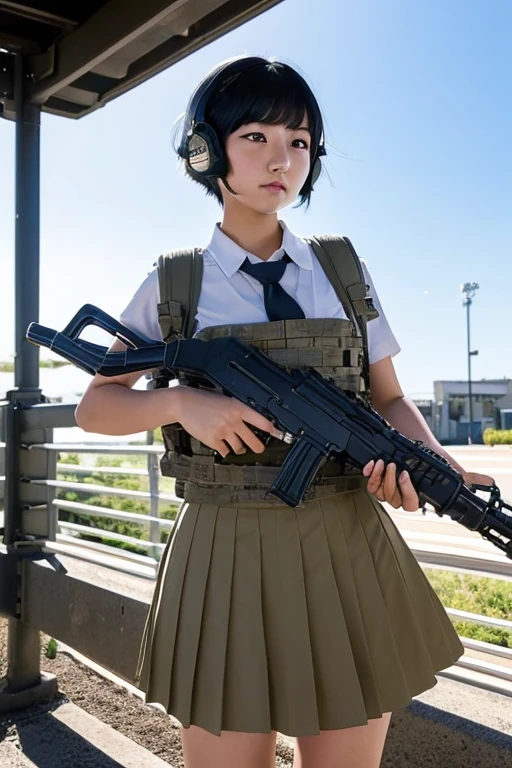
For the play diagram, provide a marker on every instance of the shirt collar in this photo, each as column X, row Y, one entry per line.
column 229, row 256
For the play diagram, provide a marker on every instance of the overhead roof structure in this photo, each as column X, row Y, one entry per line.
column 80, row 55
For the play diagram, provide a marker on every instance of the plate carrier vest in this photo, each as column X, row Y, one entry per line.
column 335, row 347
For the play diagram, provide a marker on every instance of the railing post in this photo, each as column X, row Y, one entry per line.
column 29, row 522
column 154, row 511
column 24, row 524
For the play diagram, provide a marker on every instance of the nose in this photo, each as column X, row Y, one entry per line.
column 280, row 158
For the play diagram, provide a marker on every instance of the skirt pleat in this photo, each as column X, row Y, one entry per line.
column 297, row 620
column 245, row 668
column 336, row 678
column 154, row 671
column 431, row 622
column 399, row 653
column 211, row 659
column 293, row 699
column 190, row 616
column 367, row 625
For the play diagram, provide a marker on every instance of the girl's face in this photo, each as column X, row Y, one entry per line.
column 268, row 165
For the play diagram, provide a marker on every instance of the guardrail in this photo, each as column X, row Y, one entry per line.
column 438, row 555
column 146, row 566
column 154, row 496
column 67, row 541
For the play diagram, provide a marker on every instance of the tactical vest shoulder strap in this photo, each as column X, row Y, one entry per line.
column 341, row 264
column 180, row 274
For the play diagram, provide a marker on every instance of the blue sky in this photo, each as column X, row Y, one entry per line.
column 417, row 102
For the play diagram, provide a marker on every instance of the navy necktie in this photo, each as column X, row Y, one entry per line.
column 279, row 305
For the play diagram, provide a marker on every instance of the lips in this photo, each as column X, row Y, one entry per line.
column 275, row 185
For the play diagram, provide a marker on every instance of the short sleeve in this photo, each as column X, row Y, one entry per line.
column 381, row 340
column 141, row 313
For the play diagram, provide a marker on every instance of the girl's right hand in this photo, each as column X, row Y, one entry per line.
column 221, row 422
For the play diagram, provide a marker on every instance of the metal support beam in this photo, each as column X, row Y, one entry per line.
column 6, row 76
column 105, row 611
column 28, row 123
column 115, row 25
column 50, row 416
column 24, row 684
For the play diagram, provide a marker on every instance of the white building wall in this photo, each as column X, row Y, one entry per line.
column 446, row 429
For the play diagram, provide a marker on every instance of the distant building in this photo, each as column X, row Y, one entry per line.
column 504, row 416
column 426, row 408
column 448, row 413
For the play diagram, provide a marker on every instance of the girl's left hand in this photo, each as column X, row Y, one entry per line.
column 385, row 486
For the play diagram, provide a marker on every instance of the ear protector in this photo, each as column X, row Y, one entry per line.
column 200, row 146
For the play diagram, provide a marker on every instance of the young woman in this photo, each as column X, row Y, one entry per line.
column 316, row 622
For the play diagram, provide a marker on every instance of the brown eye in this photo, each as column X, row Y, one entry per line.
column 251, row 136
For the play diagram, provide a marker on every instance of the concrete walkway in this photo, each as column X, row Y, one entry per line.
column 68, row 737
column 454, row 725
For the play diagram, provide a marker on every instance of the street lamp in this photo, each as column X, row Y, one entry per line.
column 469, row 290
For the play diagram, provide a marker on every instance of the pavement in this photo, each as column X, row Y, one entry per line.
column 68, row 737
column 453, row 725
column 495, row 461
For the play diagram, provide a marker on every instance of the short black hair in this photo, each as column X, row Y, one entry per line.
column 268, row 92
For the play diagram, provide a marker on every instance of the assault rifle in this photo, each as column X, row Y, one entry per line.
column 319, row 420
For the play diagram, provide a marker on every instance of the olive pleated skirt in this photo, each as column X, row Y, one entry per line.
column 296, row 620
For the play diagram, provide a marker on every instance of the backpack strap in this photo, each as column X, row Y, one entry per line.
column 180, row 275
column 341, row 264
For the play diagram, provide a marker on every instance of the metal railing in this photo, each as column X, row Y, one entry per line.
column 68, row 541
column 154, row 497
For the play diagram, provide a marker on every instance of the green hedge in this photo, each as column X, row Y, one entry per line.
column 129, row 482
column 475, row 594
column 498, row 436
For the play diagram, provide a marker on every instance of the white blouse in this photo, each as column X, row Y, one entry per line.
column 229, row 296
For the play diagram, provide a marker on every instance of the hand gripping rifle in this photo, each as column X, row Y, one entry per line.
column 320, row 420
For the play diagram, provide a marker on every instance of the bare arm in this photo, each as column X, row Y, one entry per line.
column 389, row 400
column 110, row 406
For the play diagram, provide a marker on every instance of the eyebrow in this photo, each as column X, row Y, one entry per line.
column 259, row 122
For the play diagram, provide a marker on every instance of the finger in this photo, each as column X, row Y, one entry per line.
column 410, row 499
column 367, row 469
column 221, row 447
column 379, row 494
column 257, row 420
column 375, row 478
column 478, row 479
column 248, row 437
column 235, row 443
column 391, row 490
